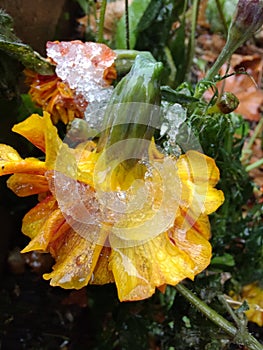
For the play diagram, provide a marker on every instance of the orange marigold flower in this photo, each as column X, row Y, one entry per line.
column 132, row 228
column 84, row 72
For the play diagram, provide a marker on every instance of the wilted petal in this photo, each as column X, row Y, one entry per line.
column 11, row 162
column 76, row 259
column 140, row 269
column 102, row 274
column 27, row 184
column 34, row 220
column 53, row 227
column 191, row 236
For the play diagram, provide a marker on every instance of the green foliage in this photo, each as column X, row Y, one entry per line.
column 12, row 46
column 136, row 13
column 213, row 16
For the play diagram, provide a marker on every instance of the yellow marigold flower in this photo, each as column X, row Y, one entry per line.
column 94, row 246
column 84, row 71
column 253, row 295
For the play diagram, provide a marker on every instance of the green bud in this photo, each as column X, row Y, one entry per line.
column 227, row 102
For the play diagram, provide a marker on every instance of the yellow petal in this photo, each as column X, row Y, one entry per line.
column 253, row 294
column 102, row 274
column 199, row 174
column 27, row 184
column 33, row 130
column 138, row 270
column 76, row 259
column 34, row 220
column 54, row 226
column 11, row 162
column 191, row 237
column 43, row 134
column 198, row 167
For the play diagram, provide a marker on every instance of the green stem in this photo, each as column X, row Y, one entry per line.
column 127, row 24
column 254, row 165
column 171, row 65
column 244, row 338
column 101, row 22
column 222, row 17
column 191, row 46
column 224, row 55
column 247, row 151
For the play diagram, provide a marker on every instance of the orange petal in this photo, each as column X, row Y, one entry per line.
column 27, row 184
column 76, row 259
column 34, row 220
column 140, row 269
column 54, row 226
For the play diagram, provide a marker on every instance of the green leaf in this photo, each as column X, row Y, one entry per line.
column 136, row 11
column 226, row 260
column 12, row 46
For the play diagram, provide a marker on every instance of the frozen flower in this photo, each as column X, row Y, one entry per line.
column 84, row 72
column 99, row 250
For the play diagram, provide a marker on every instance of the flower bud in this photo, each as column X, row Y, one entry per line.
column 248, row 18
column 227, row 103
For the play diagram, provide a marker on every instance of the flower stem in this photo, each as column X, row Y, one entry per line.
column 222, row 17
column 254, row 165
column 101, row 22
column 239, row 337
column 191, row 46
column 127, row 25
column 247, row 150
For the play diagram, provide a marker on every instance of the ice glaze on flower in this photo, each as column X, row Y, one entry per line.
column 84, row 73
column 101, row 255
